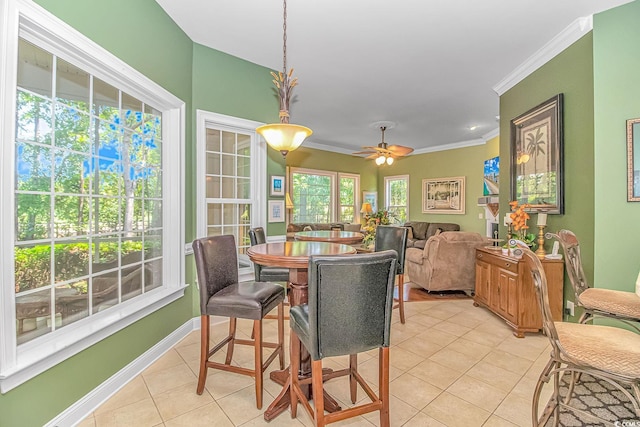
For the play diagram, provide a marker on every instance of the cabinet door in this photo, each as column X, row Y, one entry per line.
column 483, row 277
column 507, row 295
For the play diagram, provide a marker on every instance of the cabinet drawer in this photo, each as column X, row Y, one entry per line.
column 510, row 264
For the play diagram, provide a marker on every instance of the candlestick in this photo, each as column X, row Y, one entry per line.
column 540, row 252
column 542, row 219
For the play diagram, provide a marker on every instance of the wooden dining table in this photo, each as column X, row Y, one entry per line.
column 295, row 255
column 331, row 236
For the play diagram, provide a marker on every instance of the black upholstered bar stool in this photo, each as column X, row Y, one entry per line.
column 392, row 237
column 266, row 273
column 348, row 312
column 222, row 295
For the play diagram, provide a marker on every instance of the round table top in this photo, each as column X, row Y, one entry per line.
column 294, row 254
column 333, row 236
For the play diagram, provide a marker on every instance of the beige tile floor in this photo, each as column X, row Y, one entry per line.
column 452, row 364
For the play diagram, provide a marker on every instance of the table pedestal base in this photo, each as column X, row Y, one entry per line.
column 283, row 400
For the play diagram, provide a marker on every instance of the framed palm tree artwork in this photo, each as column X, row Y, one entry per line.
column 537, row 177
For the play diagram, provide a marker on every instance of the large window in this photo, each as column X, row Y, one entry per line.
column 88, row 197
column 396, row 196
column 323, row 196
column 229, row 192
column 91, row 176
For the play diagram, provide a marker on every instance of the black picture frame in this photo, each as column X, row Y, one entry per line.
column 537, row 159
column 633, row 160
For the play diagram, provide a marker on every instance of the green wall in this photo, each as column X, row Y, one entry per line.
column 312, row 158
column 616, row 37
column 467, row 162
column 148, row 40
column 142, row 28
column 571, row 73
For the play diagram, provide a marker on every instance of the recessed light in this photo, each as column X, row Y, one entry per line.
column 474, row 127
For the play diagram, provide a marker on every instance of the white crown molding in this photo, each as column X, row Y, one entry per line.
column 325, row 147
column 491, row 134
column 486, row 137
column 564, row 39
column 450, row 146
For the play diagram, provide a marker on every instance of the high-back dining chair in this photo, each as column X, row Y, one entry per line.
column 222, row 295
column 620, row 305
column 392, row 237
column 348, row 312
column 604, row 352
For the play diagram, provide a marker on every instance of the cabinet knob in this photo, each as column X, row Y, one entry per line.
column 507, row 264
column 479, row 255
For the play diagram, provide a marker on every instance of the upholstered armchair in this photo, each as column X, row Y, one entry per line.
column 447, row 262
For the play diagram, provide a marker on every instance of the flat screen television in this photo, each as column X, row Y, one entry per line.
column 491, row 175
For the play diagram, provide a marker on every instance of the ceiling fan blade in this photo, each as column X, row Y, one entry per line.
column 373, row 156
column 370, row 147
column 365, row 152
column 400, row 150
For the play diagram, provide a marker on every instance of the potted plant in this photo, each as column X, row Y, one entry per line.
column 519, row 219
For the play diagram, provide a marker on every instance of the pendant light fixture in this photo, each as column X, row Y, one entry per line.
column 284, row 136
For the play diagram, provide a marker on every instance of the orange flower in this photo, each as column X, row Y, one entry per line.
column 519, row 216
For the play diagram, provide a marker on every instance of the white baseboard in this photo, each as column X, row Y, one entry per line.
column 91, row 401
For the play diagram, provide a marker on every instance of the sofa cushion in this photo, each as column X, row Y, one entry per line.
column 352, row 227
column 419, row 229
column 414, row 255
column 433, row 228
column 321, row 226
column 409, row 232
column 294, row 228
column 419, row 244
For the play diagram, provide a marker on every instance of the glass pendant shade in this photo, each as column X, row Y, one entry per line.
column 284, row 137
column 389, row 161
column 380, row 160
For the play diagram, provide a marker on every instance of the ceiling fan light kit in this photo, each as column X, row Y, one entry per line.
column 383, row 153
column 284, row 136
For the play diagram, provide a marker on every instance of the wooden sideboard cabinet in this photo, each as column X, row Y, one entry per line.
column 504, row 286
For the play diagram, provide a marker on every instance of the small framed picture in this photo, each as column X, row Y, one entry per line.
column 443, row 195
column 277, row 185
column 371, row 197
column 276, row 210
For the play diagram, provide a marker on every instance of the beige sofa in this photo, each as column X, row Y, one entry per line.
column 293, row 228
column 447, row 262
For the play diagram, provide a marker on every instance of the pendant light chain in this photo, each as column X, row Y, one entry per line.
column 284, row 39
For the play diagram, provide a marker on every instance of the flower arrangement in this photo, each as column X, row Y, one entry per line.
column 519, row 219
column 382, row 217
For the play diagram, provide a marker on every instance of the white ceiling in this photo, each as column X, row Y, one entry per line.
column 427, row 65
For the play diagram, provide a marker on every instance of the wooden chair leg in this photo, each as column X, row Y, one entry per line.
column 232, row 341
column 318, row 396
column 384, row 386
column 281, row 334
column 401, row 296
column 294, row 367
column 257, row 332
column 204, row 352
column 353, row 383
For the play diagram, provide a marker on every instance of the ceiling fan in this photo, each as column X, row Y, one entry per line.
column 384, row 153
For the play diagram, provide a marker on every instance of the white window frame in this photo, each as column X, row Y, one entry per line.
column 387, row 192
column 334, row 207
column 356, row 195
column 258, row 170
column 23, row 18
